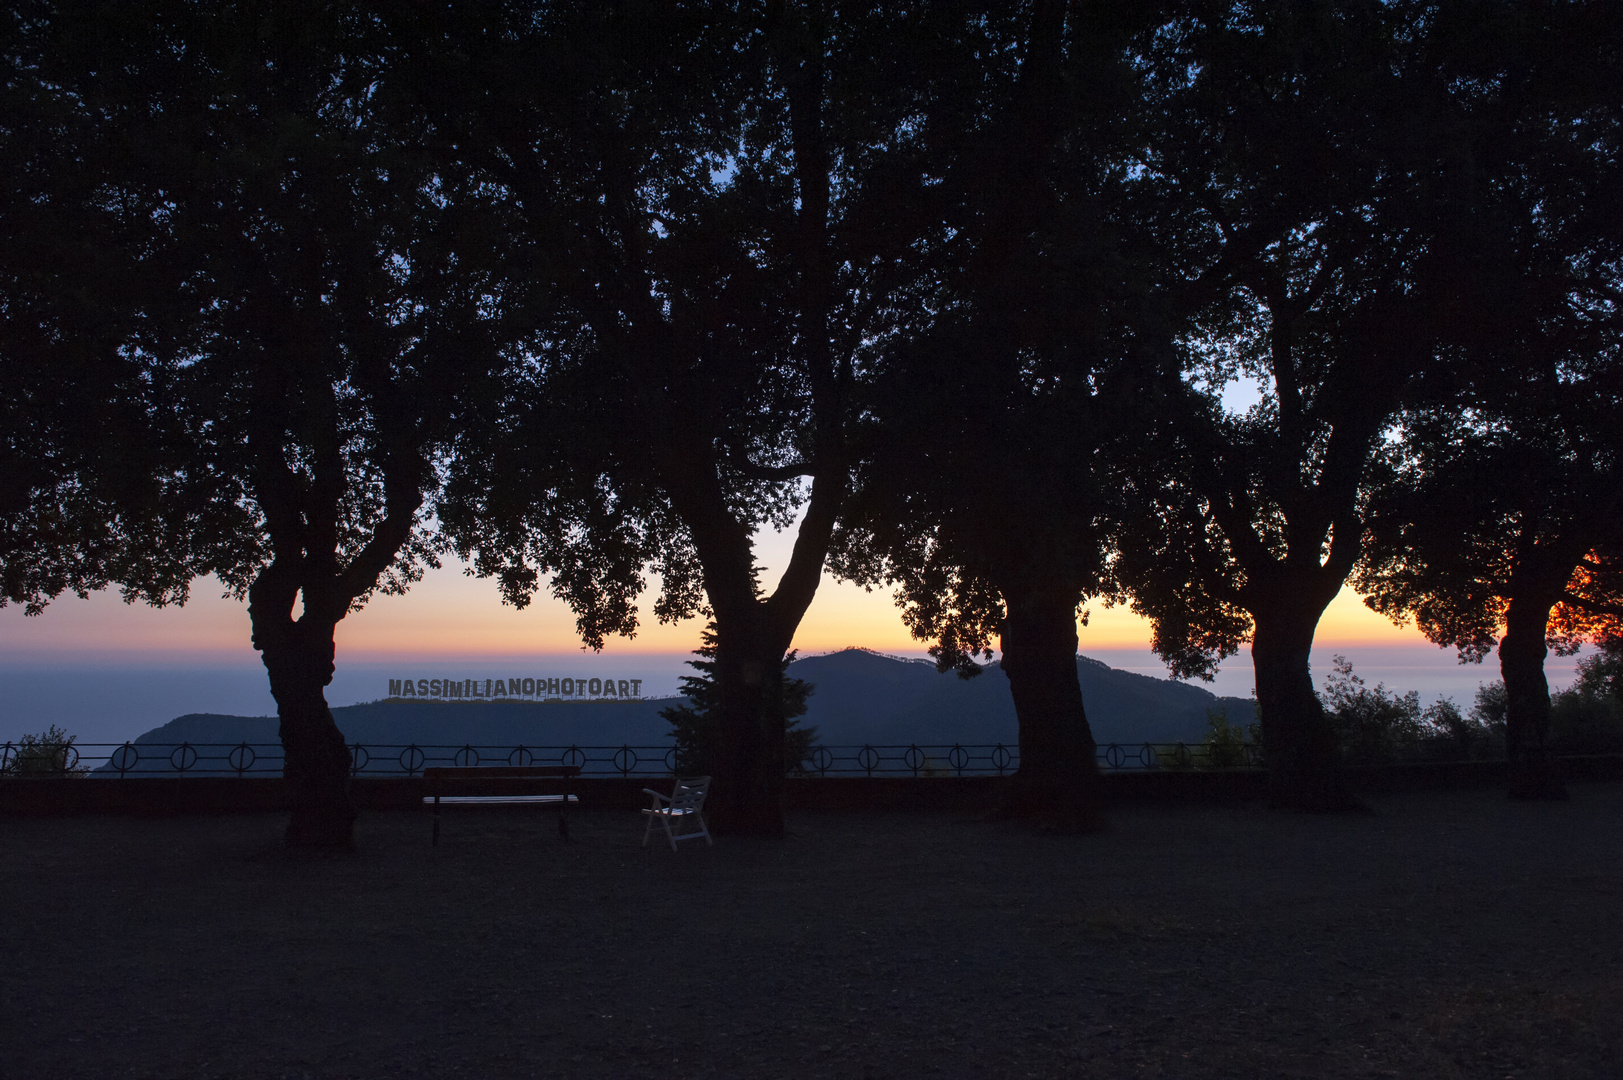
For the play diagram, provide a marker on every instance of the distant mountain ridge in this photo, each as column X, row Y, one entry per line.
column 867, row 697
column 861, row 697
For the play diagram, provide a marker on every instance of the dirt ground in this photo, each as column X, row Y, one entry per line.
column 1448, row 935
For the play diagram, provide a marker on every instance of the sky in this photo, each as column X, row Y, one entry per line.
column 452, row 614
column 108, row 671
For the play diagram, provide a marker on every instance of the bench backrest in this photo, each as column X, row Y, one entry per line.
column 444, row 778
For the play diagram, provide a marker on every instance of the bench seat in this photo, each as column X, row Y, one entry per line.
column 499, row 785
column 497, row 800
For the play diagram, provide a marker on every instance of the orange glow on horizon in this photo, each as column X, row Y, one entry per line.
column 450, row 614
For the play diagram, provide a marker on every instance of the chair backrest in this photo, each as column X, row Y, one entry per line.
column 689, row 793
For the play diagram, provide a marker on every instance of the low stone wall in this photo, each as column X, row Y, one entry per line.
column 229, row 795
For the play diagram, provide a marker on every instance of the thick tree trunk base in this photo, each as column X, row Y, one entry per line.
column 746, row 796
column 325, row 830
column 1299, row 743
column 1057, row 786
column 1077, row 805
column 1533, row 773
column 1053, row 806
column 298, row 657
column 1536, row 779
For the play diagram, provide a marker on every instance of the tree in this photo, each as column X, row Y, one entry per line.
column 1492, row 529
column 997, row 434
column 1295, row 152
column 328, row 314
column 1503, row 517
column 703, row 197
column 694, row 728
column 78, row 486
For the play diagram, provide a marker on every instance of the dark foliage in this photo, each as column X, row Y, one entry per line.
column 312, row 305
column 1226, row 742
column 80, row 488
column 1587, row 717
column 1500, row 521
column 1374, row 725
column 49, row 753
column 715, row 209
column 695, row 726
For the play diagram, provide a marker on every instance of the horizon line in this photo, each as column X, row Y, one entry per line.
column 170, row 657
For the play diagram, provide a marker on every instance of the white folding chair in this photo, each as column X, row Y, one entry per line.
column 681, row 812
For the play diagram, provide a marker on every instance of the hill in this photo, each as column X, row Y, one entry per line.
column 860, row 697
column 865, row 697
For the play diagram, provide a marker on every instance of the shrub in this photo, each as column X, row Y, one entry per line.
column 1226, row 742
column 1489, row 708
column 1470, row 736
column 1587, row 717
column 49, row 753
column 1372, row 724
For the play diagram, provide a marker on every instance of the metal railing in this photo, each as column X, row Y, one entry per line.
column 187, row 759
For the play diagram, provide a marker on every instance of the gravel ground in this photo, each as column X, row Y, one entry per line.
column 1448, row 935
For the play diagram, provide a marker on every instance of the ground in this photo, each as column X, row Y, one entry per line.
column 1446, row 935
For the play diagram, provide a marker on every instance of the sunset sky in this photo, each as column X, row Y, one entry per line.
column 107, row 671
column 451, row 614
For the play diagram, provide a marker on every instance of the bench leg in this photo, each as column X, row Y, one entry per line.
column 563, row 824
column 436, row 821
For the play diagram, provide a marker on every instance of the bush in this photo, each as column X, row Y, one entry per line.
column 50, row 753
column 1372, row 724
column 1226, row 742
column 1489, row 709
column 1472, row 736
column 1587, row 717
column 697, row 733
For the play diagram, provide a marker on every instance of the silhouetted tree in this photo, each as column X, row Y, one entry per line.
column 997, row 434
column 79, row 490
column 694, row 726
column 1506, row 514
column 704, row 196
column 328, row 308
column 1297, row 145
column 1498, row 529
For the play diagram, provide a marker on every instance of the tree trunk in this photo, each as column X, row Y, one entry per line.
column 1058, row 782
column 1298, row 742
column 1527, row 700
column 747, row 799
column 298, row 657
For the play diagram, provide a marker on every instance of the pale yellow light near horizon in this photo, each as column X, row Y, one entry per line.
column 449, row 613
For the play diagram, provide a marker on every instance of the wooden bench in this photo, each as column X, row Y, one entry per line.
column 501, row 785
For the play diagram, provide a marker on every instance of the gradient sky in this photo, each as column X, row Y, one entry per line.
column 451, row 614
column 107, row 671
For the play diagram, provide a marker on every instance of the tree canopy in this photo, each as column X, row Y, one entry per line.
column 326, row 309
column 306, row 295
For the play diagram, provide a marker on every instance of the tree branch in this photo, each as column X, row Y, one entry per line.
column 737, row 461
